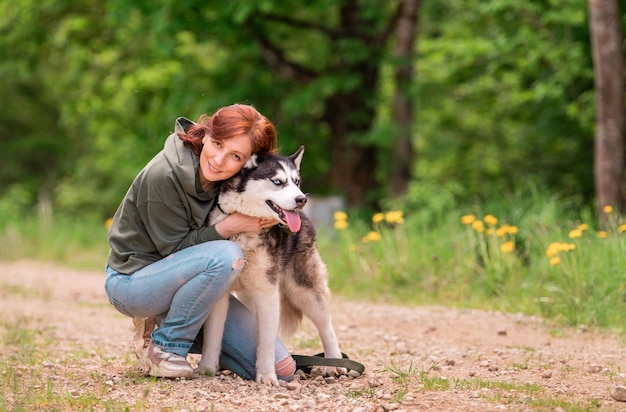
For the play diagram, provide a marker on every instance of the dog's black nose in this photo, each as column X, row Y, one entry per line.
column 301, row 201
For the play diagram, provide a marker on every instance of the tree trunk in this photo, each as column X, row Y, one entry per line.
column 353, row 164
column 350, row 115
column 402, row 114
column 608, row 61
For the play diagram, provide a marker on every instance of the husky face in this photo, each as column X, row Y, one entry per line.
column 268, row 186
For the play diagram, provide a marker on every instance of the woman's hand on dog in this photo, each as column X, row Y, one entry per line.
column 240, row 223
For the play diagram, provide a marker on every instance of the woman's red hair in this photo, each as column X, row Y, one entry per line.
column 230, row 121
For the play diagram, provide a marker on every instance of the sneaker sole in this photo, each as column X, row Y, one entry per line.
column 150, row 369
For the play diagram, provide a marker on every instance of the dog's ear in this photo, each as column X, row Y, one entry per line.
column 296, row 158
column 252, row 162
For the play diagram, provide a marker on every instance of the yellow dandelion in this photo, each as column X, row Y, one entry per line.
column 502, row 230
column 575, row 234
column 339, row 215
column 491, row 220
column 555, row 261
column 621, row 228
column 341, row 224
column 568, row 247
column 378, row 217
column 371, row 237
column 478, row 226
column 108, row 223
column 507, row 247
column 553, row 249
column 608, row 209
column 395, row 216
column 468, row 219
column 583, row 226
column 603, row 234
column 506, row 229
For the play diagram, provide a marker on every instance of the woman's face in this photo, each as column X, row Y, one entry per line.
column 221, row 159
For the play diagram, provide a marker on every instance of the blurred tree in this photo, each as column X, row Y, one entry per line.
column 324, row 59
column 608, row 58
column 505, row 97
column 403, row 100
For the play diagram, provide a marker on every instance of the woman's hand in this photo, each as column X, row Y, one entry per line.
column 240, row 223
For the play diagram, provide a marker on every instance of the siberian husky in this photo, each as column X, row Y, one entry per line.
column 284, row 277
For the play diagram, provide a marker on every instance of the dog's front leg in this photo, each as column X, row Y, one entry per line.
column 212, row 338
column 317, row 309
column 267, row 308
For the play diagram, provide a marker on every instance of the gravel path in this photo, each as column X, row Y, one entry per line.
column 417, row 359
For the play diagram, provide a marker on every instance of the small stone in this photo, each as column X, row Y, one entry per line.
column 546, row 374
column 354, row 374
column 374, row 382
column 594, row 368
column 293, row 385
column 493, row 368
column 318, row 371
column 48, row 364
column 502, row 331
column 619, row 394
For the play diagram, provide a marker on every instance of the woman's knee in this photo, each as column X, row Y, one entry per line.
column 227, row 252
column 285, row 368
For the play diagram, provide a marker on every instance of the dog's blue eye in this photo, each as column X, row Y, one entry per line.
column 277, row 182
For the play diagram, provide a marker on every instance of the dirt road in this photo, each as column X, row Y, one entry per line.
column 417, row 359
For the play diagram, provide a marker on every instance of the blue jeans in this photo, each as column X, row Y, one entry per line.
column 181, row 290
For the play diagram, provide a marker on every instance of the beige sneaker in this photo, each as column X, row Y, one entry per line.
column 157, row 362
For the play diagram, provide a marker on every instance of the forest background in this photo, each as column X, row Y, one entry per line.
column 437, row 109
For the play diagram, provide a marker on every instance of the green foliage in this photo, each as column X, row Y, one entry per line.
column 491, row 255
column 504, row 89
column 505, row 95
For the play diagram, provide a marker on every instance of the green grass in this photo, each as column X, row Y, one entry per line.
column 412, row 379
column 498, row 262
column 30, row 373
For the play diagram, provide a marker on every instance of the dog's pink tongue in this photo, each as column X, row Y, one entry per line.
column 293, row 220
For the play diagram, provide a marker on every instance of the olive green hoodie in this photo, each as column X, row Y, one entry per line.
column 164, row 210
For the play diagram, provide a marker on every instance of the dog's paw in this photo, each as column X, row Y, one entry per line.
column 268, row 379
column 328, row 371
column 203, row 370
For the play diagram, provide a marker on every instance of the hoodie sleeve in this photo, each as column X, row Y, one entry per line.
column 168, row 228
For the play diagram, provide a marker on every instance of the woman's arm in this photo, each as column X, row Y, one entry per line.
column 239, row 223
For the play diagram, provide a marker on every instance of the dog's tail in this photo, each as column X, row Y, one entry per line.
column 290, row 317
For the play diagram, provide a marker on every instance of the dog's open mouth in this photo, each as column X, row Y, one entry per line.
column 290, row 217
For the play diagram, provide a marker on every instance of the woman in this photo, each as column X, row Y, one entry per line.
column 168, row 262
